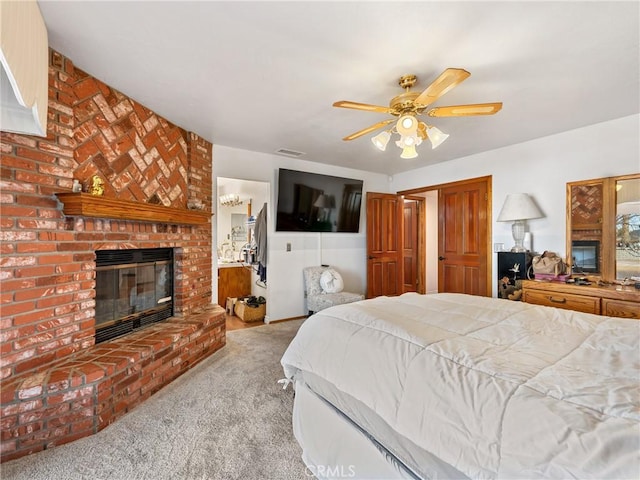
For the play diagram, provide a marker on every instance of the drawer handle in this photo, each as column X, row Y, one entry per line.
column 557, row 300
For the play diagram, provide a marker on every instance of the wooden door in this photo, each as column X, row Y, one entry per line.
column 413, row 278
column 384, row 246
column 463, row 216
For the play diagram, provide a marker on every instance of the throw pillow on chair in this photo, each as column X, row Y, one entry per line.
column 331, row 281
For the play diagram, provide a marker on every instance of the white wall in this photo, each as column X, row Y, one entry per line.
column 540, row 168
column 285, row 292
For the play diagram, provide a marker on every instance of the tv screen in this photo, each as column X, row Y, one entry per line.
column 310, row 202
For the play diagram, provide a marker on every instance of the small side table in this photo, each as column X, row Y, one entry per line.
column 513, row 267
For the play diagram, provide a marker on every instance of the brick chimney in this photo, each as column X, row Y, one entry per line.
column 50, row 368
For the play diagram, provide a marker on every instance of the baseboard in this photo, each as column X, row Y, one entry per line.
column 266, row 320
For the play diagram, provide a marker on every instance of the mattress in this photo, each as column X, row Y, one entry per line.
column 489, row 388
column 407, row 459
column 334, row 447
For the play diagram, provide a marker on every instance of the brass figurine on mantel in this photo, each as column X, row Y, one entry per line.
column 96, row 187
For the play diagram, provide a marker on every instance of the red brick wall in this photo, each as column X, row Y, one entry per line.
column 47, row 267
column 85, row 393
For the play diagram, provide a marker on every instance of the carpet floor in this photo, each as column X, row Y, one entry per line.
column 227, row 418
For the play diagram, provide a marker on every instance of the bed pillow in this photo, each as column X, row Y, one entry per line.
column 331, row 281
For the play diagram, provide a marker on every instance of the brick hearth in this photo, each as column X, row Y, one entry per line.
column 82, row 395
column 57, row 385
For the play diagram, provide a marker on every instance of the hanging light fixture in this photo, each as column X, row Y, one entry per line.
column 412, row 133
column 409, row 152
column 436, row 136
column 407, row 107
column 381, row 140
column 407, row 125
column 408, row 145
column 230, row 200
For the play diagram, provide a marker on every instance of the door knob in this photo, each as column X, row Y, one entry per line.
column 442, row 258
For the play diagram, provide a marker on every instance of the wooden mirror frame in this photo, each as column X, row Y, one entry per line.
column 596, row 199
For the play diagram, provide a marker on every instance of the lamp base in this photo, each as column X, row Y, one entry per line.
column 517, row 230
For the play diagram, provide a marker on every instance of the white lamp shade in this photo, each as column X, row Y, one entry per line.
column 407, row 125
column 409, row 152
column 381, row 140
column 436, row 136
column 518, row 206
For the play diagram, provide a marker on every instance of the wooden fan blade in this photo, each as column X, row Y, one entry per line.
column 441, row 85
column 466, row 110
column 368, row 129
column 362, row 106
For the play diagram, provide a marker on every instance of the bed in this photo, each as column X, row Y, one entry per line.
column 460, row 386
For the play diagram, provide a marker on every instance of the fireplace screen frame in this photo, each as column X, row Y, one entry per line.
column 134, row 288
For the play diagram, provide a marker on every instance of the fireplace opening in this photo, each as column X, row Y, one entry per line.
column 134, row 288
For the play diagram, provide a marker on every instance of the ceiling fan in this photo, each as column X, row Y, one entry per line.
column 409, row 105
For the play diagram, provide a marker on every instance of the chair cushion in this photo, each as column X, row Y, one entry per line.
column 317, row 303
column 331, row 281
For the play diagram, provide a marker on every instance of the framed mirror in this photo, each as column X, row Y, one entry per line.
column 603, row 227
column 238, row 227
column 627, row 228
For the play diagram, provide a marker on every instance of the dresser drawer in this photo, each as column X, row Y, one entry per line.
column 580, row 303
column 620, row 308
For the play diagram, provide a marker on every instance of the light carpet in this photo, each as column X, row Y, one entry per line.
column 227, row 418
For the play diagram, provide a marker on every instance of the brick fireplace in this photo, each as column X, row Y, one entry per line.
column 57, row 384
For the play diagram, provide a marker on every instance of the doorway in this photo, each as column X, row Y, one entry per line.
column 461, row 216
column 453, row 241
column 236, row 274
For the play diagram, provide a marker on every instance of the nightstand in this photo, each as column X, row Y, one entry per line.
column 514, row 266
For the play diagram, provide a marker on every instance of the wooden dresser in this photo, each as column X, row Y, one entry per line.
column 614, row 301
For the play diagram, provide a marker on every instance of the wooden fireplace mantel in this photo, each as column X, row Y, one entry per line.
column 87, row 205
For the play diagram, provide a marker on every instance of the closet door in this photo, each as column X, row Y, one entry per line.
column 384, row 244
column 462, row 235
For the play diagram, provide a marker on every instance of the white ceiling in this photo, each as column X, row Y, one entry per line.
column 263, row 75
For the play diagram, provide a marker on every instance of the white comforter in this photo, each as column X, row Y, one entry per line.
column 496, row 389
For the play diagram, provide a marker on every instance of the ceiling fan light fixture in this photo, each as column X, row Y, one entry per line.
column 381, row 140
column 408, row 106
column 407, row 125
column 409, row 141
column 409, row 152
column 436, row 136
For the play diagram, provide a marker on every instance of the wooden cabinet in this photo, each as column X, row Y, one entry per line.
column 615, row 301
column 514, row 266
column 233, row 281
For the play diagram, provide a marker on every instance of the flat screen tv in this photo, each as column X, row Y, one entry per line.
column 311, row 202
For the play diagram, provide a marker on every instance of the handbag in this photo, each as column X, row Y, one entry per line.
column 548, row 263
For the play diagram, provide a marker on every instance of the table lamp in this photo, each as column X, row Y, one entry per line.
column 517, row 208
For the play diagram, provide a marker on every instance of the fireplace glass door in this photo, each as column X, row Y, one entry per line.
column 132, row 294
